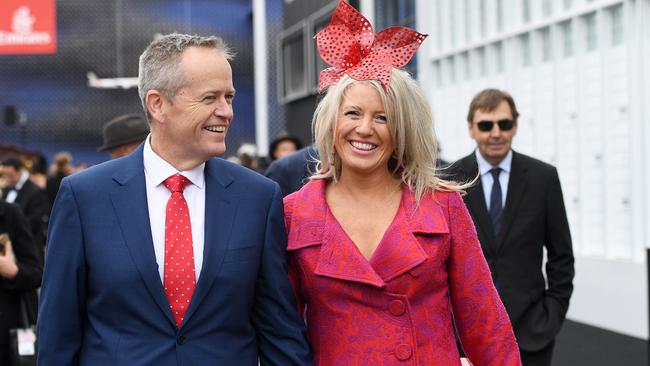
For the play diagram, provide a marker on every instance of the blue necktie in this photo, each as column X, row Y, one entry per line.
column 495, row 202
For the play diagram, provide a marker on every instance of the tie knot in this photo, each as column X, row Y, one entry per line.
column 495, row 172
column 176, row 183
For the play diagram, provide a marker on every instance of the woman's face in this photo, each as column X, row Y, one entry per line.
column 362, row 139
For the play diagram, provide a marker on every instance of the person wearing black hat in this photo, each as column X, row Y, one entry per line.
column 123, row 134
column 283, row 146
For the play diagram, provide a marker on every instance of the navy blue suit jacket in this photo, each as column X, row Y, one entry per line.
column 293, row 171
column 102, row 300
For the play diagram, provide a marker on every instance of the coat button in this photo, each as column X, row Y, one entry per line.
column 397, row 307
column 403, row 352
column 181, row 339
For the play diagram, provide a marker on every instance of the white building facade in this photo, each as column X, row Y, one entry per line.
column 579, row 71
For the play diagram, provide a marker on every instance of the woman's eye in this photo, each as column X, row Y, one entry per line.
column 352, row 114
column 381, row 119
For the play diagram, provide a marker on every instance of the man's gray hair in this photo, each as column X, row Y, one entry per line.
column 159, row 63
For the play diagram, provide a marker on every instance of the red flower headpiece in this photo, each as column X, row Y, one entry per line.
column 351, row 47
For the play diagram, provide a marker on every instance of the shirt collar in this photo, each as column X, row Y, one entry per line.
column 158, row 169
column 484, row 167
column 21, row 182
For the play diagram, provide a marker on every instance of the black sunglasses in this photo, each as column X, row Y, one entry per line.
column 504, row 125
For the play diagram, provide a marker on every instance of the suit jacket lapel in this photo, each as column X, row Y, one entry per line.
column 130, row 206
column 516, row 189
column 220, row 210
column 477, row 206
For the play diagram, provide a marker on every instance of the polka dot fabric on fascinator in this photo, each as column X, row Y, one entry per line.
column 350, row 46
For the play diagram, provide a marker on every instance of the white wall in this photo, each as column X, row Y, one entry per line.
column 588, row 114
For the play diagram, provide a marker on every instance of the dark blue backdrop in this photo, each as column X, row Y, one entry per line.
column 106, row 37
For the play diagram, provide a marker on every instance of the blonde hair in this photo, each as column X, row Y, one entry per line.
column 410, row 122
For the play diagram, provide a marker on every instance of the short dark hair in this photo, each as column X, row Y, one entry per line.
column 488, row 100
column 12, row 161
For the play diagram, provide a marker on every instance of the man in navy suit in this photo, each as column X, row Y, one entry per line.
column 169, row 256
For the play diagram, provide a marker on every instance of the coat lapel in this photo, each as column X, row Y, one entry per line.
column 476, row 202
column 516, row 189
column 130, row 206
column 220, row 210
column 313, row 224
column 399, row 250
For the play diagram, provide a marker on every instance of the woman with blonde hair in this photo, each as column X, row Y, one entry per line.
column 383, row 254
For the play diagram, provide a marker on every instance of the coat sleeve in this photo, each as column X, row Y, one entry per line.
column 294, row 268
column 481, row 320
column 559, row 265
column 62, row 306
column 281, row 332
column 28, row 255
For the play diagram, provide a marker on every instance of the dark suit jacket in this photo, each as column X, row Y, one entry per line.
column 292, row 171
column 35, row 205
column 103, row 302
column 533, row 218
column 30, row 271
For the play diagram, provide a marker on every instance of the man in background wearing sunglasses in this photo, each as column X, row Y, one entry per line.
column 518, row 210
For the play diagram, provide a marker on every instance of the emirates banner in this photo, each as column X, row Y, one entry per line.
column 27, row 26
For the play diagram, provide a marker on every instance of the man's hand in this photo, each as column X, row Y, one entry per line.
column 8, row 266
column 465, row 362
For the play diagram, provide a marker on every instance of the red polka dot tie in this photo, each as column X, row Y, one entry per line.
column 180, row 279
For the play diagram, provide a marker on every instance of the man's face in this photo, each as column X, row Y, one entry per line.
column 11, row 175
column 196, row 119
column 495, row 143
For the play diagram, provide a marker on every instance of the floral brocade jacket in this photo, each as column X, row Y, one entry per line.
column 396, row 308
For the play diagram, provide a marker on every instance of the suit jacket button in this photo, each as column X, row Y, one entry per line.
column 181, row 339
column 397, row 307
column 403, row 352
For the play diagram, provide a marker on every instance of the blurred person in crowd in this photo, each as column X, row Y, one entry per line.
column 123, row 134
column 168, row 254
column 518, row 209
column 293, row 171
column 37, row 167
column 61, row 168
column 21, row 270
column 247, row 154
column 31, row 199
column 283, row 146
column 382, row 253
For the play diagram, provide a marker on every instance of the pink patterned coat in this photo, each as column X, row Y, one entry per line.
column 397, row 308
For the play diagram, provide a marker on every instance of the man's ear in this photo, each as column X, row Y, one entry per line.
column 470, row 130
column 155, row 102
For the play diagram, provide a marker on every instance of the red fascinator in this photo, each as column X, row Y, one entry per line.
column 350, row 46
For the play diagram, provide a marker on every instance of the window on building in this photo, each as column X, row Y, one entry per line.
column 389, row 13
column 451, row 67
column 468, row 19
column 438, row 73
column 547, row 49
column 567, row 4
column 482, row 16
column 499, row 16
column 525, row 8
column 452, row 23
column 467, row 73
column 294, row 63
column 439, row 24
column 591, row 40
column 482, row 62
column 526, row 54
column 499, row 62
column 547, row 7
column 618, row 32
column 567, row 39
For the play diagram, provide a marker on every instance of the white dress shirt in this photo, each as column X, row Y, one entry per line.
column 486, row 177
column 13, row 194
column 156, row 170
